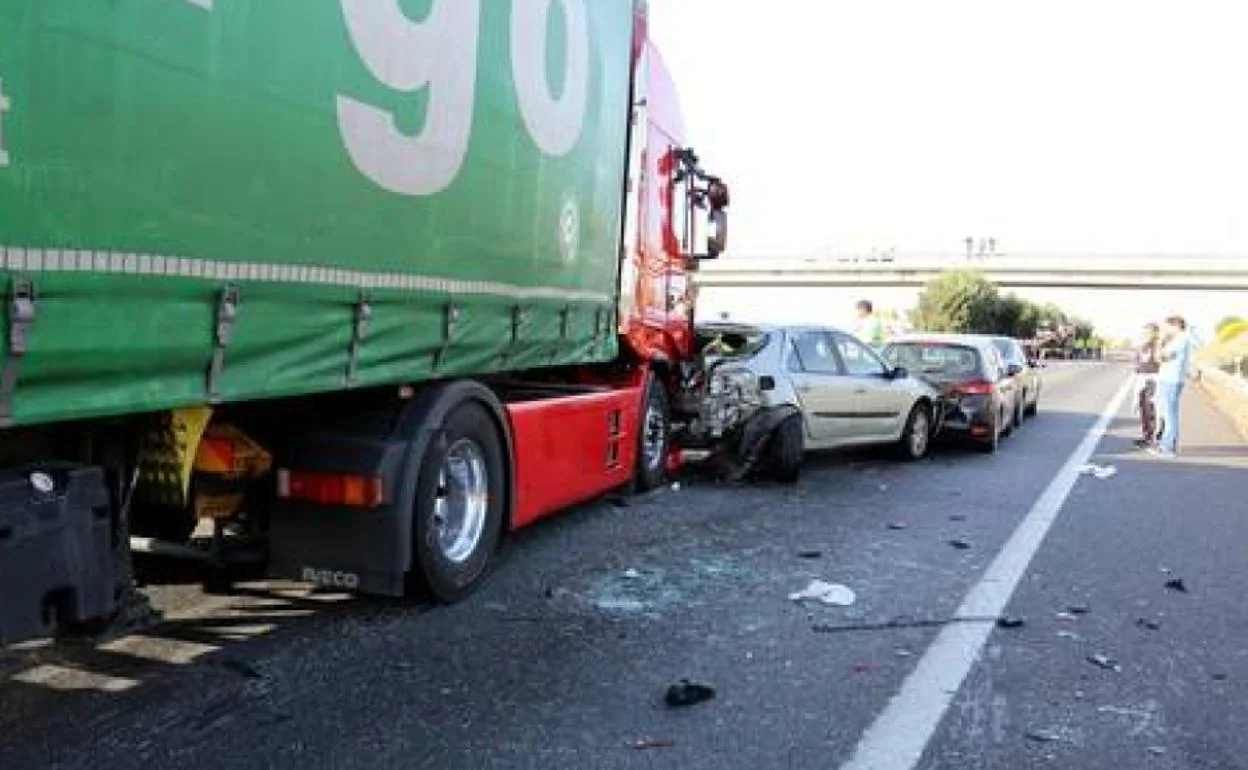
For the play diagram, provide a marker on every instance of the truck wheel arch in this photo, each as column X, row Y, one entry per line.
column 417, row 426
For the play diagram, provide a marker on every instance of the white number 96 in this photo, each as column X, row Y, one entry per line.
column 440, row 53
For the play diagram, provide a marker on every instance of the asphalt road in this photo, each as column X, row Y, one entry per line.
column 563, row 659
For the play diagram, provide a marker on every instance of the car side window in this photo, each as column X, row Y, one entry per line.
column 997, row 365
column 859, row 360
column 812, row 353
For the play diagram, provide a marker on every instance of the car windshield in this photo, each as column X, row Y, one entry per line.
column 731, row 342
column 941, row 360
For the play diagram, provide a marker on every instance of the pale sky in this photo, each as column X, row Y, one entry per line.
column 1056, row 126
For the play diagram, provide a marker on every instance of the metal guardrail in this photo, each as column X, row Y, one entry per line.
column 1230, row 392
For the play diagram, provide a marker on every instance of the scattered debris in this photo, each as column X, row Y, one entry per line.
column 1219, row 677
column 1043, row 736
column 620, row 502
column 902, row 652
column 883, row 487
column 1065, row 616
column 1071, row 635
column 810, row 554
column 1078, row 609
column 1101, row 472
column 957, row 517
column 1105, row 662
column 1177, row 584
column 631, row 574
column 827, row 593
column 861, row 668
column 687, row 693
column 960, row 544
column 898, row 525
column 644, row 744
column 1150, row 625
column 1156, row 751
column 1010, row 621
column 675, row 486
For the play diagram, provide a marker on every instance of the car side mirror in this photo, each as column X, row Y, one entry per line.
column 898, row 373
column 1013, row 370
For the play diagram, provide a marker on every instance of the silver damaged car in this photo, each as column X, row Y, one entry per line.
column 772, row 393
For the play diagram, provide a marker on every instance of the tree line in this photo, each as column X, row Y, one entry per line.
column 967, row 302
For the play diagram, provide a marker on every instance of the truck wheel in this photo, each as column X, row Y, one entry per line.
column 459, row 503
column 653, row 438
column 784, row 451
column 916, row 437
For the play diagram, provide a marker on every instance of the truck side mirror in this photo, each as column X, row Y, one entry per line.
column 717, row 240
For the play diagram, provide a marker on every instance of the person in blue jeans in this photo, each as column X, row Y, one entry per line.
column 1176, row 358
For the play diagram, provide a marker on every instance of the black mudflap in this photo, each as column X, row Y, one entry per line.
column 56, row 551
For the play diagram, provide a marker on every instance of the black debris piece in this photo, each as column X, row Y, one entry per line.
column 1147, row 624
column 687, row 693
column 1010, row 621
column 958, row 517
column 1177, row 584
column 1042, row 736
column 810, row 553
column 960, row 544
column 898, row 525
column 1078, row 609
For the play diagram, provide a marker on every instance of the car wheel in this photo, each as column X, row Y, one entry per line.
column 916, row 437
column 785, row 450
column 993, row 442
column 1034, row 406
column 653, row 439
column 459, row 504
column 1005, row 425
column 1018, row 413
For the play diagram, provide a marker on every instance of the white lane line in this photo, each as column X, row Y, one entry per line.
column 900, row 734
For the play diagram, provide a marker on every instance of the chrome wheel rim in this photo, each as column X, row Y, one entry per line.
column 461, row 505
column 919, row 432
column 654, row 437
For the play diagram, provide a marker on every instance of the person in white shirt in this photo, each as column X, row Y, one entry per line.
column 1176, row 358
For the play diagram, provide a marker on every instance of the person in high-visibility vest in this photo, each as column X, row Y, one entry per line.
column 868, row 328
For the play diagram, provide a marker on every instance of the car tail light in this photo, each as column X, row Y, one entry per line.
column 976, row 388
column 331, row 488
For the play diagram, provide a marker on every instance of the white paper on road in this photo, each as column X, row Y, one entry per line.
column 829, row 593
column 1101, row 472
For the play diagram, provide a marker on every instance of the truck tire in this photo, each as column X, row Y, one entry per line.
column 654, row 435
column 916, row 436
column 785, row 450
column 459, row 503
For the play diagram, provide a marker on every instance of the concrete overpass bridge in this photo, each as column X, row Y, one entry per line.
column 1206, row 274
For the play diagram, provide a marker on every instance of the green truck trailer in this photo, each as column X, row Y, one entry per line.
column 274, row 264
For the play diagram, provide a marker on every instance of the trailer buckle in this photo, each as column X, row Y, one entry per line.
column 363, row 314
column 227, row 314
column 22, row 314
column 450, row 318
